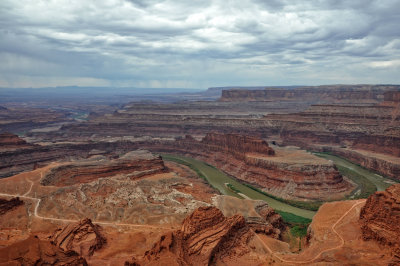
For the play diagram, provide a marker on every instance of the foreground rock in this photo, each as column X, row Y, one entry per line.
column 258, row 215
column 380, row 219
column 83, row 237
column 206, row 237
column 34, row 251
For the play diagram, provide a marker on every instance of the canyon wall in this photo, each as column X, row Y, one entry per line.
column 389, row 167
column 279, row 174
column 318, row 94
column 236, row 144
column 380, row 219
column 134, row 164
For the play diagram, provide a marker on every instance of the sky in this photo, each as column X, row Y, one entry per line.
column 198, row 44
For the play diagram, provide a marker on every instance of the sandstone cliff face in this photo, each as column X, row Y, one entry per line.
column 33, row 251
column 9, row 142
column 206, row 236
column 384, row 166
column 10, row 139
column 237, row 144
column 380, row 219
column 83, row 237
column 392, row 96
column 257, row 214
column 134, row 164
column 373, row 128
column 329, row 94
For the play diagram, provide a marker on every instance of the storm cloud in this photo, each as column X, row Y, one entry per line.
column 197, row 44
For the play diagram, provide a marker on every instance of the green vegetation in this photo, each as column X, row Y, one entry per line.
column 231, row 187
column 299, row 230
column 306, row 205
column 293, row 219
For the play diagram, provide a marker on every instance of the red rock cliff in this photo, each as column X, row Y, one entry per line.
column 82, row 237
column 136, row 164
column 380, row 219
column 206, row 236
column 238, row 144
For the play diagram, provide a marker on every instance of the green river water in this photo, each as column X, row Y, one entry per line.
column 218, row 180
column 379, row 181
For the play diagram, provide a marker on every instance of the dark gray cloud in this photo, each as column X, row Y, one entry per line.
column 198, row 43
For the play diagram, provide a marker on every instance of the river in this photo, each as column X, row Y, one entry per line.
column 218, row 179
column 379, row 181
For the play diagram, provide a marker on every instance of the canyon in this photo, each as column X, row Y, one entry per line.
column 366, row 131
column 252, row 161
column 99, row 185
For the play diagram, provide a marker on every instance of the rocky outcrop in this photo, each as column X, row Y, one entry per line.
column 392, row 96
column 8, row 205
column 380, row 219
column 134, row 165
column 205, row 237
column 257, row 214
column 83, row 237
column 10, row 141
column 382, row 164
column 319, row 94
column 34, row 251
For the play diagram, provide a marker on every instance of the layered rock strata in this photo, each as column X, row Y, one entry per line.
column 258, row 215
column 380, row 219
column 328, row 93
column 8, row 139
column 134, row 165
column 386, row 165
column 206, row 236
column 82, row 237
column 34, row 251
column 278, row 175
column 357, row 117
column 373, row 128
column 17, row 119
column 28, row 158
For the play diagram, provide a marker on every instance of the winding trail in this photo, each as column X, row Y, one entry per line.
column 321, row 252
column 37, row 215
column 30, row 189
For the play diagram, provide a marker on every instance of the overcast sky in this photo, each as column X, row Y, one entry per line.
column 198, row 44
